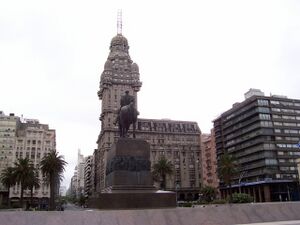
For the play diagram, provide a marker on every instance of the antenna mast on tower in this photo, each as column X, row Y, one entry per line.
column 119, row 22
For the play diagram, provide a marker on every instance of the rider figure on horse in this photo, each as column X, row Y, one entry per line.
column 126, row 101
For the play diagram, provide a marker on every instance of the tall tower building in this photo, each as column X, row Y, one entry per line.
column 178, row 141
column 120, row 74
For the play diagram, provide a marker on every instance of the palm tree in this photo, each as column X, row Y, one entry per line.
column 160, row 170
column 8, row 179
column 227, row 168
column 22, row 172
column 52, row 166
column 32, row 182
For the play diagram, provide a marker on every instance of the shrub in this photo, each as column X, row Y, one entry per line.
column 187, row 204
column 241, row 198
column 208, row 194
column 219, row 201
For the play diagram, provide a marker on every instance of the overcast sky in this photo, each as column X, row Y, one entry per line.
column 196, row 59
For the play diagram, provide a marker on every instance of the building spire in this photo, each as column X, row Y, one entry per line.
column 119, row 22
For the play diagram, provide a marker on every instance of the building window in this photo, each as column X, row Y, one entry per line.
column 263, row 102
column 275, row 109
column 275, row 102
column 265, row 116
column 271, row 162
column 263, row 110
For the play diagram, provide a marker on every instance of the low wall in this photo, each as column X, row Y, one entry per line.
column 208, row 215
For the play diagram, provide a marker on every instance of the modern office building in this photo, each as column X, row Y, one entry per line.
column 262, row 133
column 178, row 141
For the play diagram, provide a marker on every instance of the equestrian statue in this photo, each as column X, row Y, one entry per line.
column 126, row 115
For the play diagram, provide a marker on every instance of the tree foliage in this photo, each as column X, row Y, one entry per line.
column 53, row 166
column 208, row 193
column 227, row 169
column 8, row 179
column 23, row 172
column 160, row 170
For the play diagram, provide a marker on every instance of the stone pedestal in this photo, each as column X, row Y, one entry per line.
column 128, row 167
column 128, row 179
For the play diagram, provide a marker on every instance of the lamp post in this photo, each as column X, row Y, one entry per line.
column 242, row 174
column 177, row 186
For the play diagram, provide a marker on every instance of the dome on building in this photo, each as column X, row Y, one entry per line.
column 108, row 65
column 119, row 40
column 134, row 68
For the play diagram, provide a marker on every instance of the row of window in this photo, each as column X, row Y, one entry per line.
column 286, row 176
column 286, row 124
column 287, row 131
column 33, row 149
column 34, row 141
column 32, row 155
column 287, row 145
column 286, row 160
column 286, row 168
column 296, row 139
column 286, row 110
column 288, row 153
column 276, row 116
column 285, row 103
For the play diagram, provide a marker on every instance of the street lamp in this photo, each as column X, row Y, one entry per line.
column 177, row 186
column 242, row 174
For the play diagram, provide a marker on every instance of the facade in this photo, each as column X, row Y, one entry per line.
column 34, row 140
column 209, row 160
column 8, row 130
column 80, row 174
column 179, row 141
column 262, row 134
column 78, row 179
column 20, row 138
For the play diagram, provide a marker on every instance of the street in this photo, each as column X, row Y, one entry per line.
column 73, row 207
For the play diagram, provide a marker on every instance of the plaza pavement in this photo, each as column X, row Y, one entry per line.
column 294, row 222
column 228, row 214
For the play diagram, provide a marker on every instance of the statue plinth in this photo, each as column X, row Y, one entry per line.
column 129, row 182
column 128, row 166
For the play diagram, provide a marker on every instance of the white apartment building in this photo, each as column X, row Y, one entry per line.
column 25, row 138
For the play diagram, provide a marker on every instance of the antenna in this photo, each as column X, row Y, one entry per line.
column 119, row 22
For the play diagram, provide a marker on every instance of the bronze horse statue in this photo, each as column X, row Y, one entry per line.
column 127, row 116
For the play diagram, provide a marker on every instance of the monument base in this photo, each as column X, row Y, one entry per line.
column 134, row 200
column 128, row 183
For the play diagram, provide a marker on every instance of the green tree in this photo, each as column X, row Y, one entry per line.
column 227, row 169
column 160, row 170
column 22, row 173
column 32, row 182
column 8, row 179
column 52, row 166
column 208, row 193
